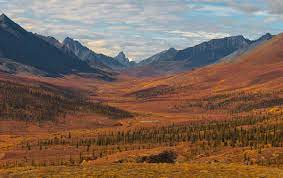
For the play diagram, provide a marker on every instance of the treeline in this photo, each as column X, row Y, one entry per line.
column 110, row 111
column 153, row 92
column 242, row 131
column 238, row 102
column 227, row 133
column 253, row 132
column 166, row 156
column 46, row 103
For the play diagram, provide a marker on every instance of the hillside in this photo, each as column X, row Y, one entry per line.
column 29, row 49
column 129, row 88
column 91, row 57
column 37, row 101
column 147, row 170
column 173, row 61
column 260, row 66
column 227, row 114
column 122, row 58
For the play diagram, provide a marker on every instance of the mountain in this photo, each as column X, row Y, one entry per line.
column 245, row 49
column 54, row 42
column 51, row 40
column 211, row 51
column 121, row 58
column 27, row 48
column 91, row 57
column 65, row 49
column 172, row 60
column 257, row 70
column 162, row 56
column 11, row 67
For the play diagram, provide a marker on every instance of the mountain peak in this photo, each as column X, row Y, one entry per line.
column 68, row 39
column 171, row 50
column 121, row 54
column 266, row 36
column 2, row 16
column 5, row 20
column 73, row 45
column 122, row 58
column 10, row 26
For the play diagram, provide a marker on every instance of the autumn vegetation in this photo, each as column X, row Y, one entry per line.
column 46, row 102
column 224, row 119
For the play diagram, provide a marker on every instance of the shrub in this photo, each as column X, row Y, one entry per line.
column 163, row 157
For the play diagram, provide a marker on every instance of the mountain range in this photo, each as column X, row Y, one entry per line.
column 27, row 48
column 121, row 58
column 213, row 51
column 91, row 57
column 49, row 56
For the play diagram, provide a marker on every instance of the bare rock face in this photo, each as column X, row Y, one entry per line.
column 166, row 55
column 247, row 48
column 29, row 49
column 11, row 27
column 211, row 51
column 122, row 58
column 172, row 60
column 90, row 56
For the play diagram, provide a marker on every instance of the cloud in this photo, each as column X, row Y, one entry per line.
column 244, row 7
column 200, row 34
column 276, row 6
column 142, row 28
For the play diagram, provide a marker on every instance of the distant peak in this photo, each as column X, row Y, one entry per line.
column 4, row 19
column 121, row 54
column 237, row 37
column 264, row 37
column 122, row 58
column 267, row 35
column 68, row 39
column 2, row 16
column 10, row 26
column 171, row 49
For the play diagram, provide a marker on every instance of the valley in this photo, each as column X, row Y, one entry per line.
column 95, row 115
column 204, row 119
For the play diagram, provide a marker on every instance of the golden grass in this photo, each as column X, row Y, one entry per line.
column 146, row 170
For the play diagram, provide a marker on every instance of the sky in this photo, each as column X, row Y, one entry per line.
column 142, row 28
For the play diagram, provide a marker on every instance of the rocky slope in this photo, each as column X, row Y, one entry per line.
column 122, row 58
column 91, row 57
column 27, row 48
column 173, row 61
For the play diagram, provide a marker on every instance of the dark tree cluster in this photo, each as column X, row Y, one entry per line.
column 163, row 157
column 46, row 103
column 238, row 102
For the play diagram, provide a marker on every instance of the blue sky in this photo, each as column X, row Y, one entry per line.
column 142, row 28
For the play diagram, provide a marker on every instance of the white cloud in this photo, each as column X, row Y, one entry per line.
column 276, row 6
column 141, row 27
column 200, row 34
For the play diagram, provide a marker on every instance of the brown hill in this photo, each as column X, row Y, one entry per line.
column 262, row 66
column 254, row 80
column 174, row 61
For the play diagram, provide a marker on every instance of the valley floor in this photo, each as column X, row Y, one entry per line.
column 145, row 170
column 216, row 129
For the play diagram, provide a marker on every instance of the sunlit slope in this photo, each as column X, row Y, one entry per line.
column 146, row 170
column 262, row 67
